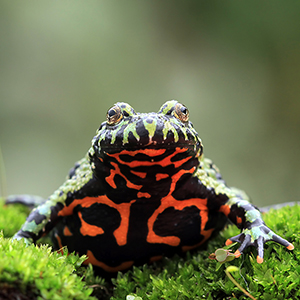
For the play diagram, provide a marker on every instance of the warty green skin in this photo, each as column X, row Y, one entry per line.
column 82, row 175
column 167, row 128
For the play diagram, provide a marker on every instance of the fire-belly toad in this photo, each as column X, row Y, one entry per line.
column 144, row 190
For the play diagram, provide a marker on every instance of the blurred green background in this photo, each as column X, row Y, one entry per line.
column 235, row 64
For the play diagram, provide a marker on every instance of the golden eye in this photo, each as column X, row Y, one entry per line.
column 114, row 115
column 181, row 112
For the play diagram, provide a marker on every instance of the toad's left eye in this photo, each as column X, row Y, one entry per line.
column 181, row 112
column 114, row 115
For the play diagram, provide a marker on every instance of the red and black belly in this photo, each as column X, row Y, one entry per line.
column 141, row 207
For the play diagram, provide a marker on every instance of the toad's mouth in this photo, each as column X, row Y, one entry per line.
column 110, row 143
column 189, row 146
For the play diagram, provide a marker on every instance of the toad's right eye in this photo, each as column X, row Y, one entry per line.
column 114, row 115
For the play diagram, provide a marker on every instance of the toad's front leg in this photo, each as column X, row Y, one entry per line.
column 254, row 231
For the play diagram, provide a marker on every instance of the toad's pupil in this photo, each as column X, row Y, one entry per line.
column 184, row 110
column 112, row 113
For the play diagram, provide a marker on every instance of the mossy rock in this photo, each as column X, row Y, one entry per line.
column 35, row 272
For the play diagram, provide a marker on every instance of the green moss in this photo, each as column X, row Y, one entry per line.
column 37, row 271
column 12, row 217
column 46, row 274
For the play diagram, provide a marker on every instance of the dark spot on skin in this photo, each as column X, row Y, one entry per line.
column 132, row 138
column 101, row 215
column 142, row 133
column 123, row 106
column 149, row 121
column 55, row 209
column 36, row 217
column 125, row 113
column 185, row 224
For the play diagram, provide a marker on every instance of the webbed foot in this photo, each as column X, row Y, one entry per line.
column 257, row 236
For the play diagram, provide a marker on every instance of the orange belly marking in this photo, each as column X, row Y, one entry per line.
column 120, row 233
column 152, row 152
column 170, row 201
column 116, row 171
column 88, row 229
column 67, row 231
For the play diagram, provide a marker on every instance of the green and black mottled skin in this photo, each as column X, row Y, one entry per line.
column 144, row 190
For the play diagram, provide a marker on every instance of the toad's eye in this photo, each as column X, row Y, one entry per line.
column 114, row 115
column 181, row 112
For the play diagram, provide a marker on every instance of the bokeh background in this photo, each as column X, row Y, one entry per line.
column 234, row 64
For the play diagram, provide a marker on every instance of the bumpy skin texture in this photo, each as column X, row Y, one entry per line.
column 144, row 190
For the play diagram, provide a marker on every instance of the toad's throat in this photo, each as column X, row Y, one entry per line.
column 149, row 145
column 149, row 171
